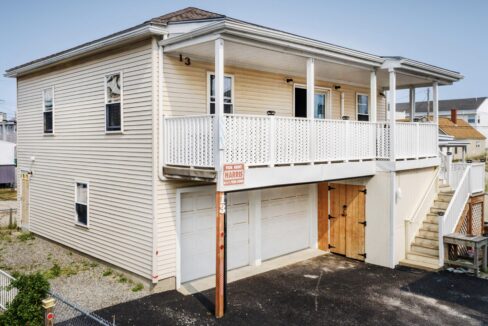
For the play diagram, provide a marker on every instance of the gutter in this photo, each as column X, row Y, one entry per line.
column 137, row 32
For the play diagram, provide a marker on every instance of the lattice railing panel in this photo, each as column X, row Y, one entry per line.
column 247, row 139
column 383, row 140
column 330, row 138
column 292, row 140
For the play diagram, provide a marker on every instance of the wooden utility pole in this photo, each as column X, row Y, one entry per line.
column 220, row 279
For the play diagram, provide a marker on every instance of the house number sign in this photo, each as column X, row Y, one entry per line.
column 233, row 174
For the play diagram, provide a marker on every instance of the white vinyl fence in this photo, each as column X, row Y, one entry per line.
column 189, row 141
column 6, row 294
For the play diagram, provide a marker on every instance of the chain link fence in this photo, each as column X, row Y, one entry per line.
column 69, row 314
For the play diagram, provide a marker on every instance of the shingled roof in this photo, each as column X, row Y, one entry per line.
column 190, row 13
column 459, row 130
column 462, row 104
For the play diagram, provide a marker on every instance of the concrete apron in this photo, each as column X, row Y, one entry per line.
column 208, row 282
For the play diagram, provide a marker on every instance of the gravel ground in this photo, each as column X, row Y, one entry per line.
column 85, row 282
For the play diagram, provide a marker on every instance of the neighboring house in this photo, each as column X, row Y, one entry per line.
column 129, row 145
column 8, row 128
column 472, row 110
column 461, row 130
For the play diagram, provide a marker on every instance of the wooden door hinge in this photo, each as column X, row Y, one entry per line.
column 364, row 191
column 331, row 217
column 331, row 246
column 363, row 255
column 331, row 188
column 363, row 223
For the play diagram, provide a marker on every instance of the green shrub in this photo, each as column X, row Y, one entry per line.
column 138, row 287
column 26, row 236
column 26, row 307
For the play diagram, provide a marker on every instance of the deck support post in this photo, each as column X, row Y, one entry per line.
column 435, row 102
column 219, row 108
column 311, row 103
column 392, row 109
column 220, row 261
column 412, row 103
column 373, row 96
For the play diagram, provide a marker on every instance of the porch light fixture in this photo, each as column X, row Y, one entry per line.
column 336, row 87
column 289, row 81
column 382, row 94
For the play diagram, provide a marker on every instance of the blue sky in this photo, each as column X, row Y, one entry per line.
column 450, row 34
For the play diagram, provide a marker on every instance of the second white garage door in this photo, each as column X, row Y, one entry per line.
column 285, row 224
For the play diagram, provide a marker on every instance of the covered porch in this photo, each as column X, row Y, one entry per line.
column 344, row 130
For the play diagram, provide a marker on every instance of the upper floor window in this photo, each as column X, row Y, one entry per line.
column 472, row 118
column 48, row 110
column 362, row 107
column 113, row 102
column 81, row 203
column 228, row 93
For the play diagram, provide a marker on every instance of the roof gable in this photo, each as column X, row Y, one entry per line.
column 187, row 14
column 462, row 104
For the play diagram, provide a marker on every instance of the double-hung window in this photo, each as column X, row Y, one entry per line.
column 228, row 94
column 362, row 107
column 48, row 110
column 113, row 102
column 81, row 203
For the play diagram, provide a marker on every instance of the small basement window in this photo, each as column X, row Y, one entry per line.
column 48, row 110
column 113, row 102
column 81, row 203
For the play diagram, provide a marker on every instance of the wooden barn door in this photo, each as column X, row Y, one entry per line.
column 347, row 220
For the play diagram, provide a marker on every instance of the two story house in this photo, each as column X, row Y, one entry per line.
column 195, row 143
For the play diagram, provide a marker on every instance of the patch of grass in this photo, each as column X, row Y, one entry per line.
column 25, row 236
column 122, row 279
column 138, row 287
column 53, row 272
column 107, row 272
column 6, row 235
column 8, row 194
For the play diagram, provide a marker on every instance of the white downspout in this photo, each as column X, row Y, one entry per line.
column 160, row 111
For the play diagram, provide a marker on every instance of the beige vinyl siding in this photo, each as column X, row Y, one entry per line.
column 118, row 167
column 185, row 91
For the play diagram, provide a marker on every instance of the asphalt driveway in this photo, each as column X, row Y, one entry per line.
column 324, row 290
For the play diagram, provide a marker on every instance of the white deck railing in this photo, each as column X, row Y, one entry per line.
column 448, row 221
column 269, row 140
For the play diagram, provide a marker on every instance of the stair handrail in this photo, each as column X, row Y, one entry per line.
column 421, row 209
column 447, row 221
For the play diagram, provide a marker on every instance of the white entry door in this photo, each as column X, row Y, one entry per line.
column 285, row 220
column 197, row 233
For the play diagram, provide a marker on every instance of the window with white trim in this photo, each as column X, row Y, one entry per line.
column 113, row 102
column 48, row 110
column 362, row 107
column 81, row 203
column 228, row 94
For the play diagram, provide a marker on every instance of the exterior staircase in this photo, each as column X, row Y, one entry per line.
column 424, row 250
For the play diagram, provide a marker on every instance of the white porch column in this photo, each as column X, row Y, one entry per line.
column 412, row 103
column 219, row 104
column 392, row 105
column 435, row 101
column 310, row 88
column 373, row 96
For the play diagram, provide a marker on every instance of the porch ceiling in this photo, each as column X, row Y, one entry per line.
column 263, row 58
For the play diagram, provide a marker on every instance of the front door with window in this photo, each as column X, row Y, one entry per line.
column 347, row 220
column 321, row 103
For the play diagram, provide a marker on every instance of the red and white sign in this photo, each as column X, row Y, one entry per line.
column 233, row 174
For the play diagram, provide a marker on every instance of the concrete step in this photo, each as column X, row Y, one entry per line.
column 446, row 191
column 441, row 204
column 432, row 218
column 419, row 265
column 418, row 257
column 426, row 250
column 428, row 234
column 444, row 197
column 436, row 210
column 426, row 226
column 433, row 243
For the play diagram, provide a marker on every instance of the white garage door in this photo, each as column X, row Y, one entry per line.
column 285, row 220
column 198, row 233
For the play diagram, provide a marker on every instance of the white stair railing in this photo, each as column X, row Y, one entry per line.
column 448, row 220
